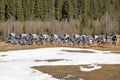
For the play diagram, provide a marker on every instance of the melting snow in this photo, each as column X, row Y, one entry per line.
column 92, row 68
column 16, row 65
column 69, row 76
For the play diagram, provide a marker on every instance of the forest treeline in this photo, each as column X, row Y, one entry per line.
column 51, row 16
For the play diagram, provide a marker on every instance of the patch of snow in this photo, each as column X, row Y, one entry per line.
column 92, row 68
column 17, row 64
column 81, row 79
column 69, row 76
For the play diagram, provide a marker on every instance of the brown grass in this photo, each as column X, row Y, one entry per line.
column 108, row 72
column 50, row 60
column 116, row 52
column 83, row 51
column 106, row 47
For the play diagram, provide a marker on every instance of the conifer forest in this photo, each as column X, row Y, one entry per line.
column 60, row 16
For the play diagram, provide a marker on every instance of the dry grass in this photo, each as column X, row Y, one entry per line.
column 116, row 51
column 106, row 47
column 82, row 51
column 108, row 72
column 9, row 47
column 50, row 60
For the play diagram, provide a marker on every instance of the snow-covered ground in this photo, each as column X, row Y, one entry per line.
column 16, row 65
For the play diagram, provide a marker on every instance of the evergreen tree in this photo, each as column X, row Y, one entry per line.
column 32, row 8
column 80, row 5
column 10, row 7
column 70, row 9
column 65, row 9
column 2, row 10
column 38, row 9
column 26, row 9
column 45, row 9
column 58, row 9
column 75, row 9
column 83, row 10
column 19, row 10
column 51, row 9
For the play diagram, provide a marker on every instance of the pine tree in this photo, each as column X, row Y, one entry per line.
column 51, row 9
column 26, row 9
column 19, row 10
column 70, row 9
column 65, row 9
column 10, row 7
column 75, row 9
column 58, row 9
column 32, row 9
column 80, row 5
column 45, row 9
column 2, row 10
column 37, row 9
